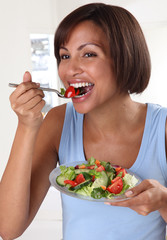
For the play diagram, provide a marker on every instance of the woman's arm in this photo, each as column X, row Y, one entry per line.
column 145, row 198
column 15, row 183
column 25, row 180
column 45, row 157
column 25, row 183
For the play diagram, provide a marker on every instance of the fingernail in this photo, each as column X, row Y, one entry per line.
column 107, row 203
column 128, row 193
column 38, row 84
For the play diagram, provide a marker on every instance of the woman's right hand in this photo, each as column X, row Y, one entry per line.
column 27, row 102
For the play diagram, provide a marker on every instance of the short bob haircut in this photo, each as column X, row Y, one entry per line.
column 128, row 47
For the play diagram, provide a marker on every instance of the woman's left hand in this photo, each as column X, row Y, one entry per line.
column 146, row 197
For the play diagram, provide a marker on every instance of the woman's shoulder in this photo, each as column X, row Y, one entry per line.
column 57, row 112
column 55, row 117
column 53, row 123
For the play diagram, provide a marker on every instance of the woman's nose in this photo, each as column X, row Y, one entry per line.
column 74, row 67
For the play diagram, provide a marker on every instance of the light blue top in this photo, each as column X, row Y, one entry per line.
column 95, row 221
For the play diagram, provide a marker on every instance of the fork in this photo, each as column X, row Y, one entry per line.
column 41, row 88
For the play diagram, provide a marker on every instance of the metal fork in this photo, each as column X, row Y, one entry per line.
column 41, row 88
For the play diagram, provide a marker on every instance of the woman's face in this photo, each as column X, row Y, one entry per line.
column 86, row 62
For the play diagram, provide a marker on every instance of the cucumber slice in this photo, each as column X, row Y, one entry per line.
column 101, row 181
column 81, row 185
column 60, row 180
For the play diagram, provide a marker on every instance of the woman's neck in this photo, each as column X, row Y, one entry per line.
column 114, row 115
column 114, row 134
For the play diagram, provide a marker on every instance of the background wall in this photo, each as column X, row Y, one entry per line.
column 19, row 19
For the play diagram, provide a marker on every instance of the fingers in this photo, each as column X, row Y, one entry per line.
column 124, row 203
column 135, row 203
column 130, row 204
column 135, row 191
column 27, row 101
column 25, row 94
column 26, row 85
column 29, row 95
column 147, row 197
column 143, row 186
column 27, row 77
column 25, row 91
column 136, row 194
column 29, row 105
column 23, row 88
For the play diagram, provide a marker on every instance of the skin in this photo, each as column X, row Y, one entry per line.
column 111, row 118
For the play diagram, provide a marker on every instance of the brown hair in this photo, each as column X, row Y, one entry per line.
column 127, row 43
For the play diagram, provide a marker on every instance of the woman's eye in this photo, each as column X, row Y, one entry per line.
column 64, row 57
column 90, row 55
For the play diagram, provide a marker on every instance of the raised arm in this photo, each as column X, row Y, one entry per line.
column 25, row 180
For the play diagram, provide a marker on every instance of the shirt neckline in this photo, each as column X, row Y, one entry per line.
column 143, row 145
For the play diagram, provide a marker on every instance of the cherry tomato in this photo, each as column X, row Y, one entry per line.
column 70, row 92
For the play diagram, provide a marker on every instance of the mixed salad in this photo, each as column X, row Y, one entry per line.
column 96, row 179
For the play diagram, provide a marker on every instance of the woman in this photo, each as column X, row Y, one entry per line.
column 101, row 46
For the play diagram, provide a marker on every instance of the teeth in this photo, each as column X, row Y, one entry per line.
column 83, row 84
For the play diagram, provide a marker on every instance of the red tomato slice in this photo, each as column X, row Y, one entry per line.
column 80, row 178
column 72, row 183
column 116, row 187
column 115, row 179
column 100, row 168
column 123, row 171
column 70, row 92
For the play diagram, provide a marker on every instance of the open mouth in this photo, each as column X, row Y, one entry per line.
column 82, row 89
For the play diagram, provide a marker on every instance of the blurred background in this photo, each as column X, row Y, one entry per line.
column 27, row 30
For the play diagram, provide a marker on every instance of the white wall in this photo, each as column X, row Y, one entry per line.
column 18, row 19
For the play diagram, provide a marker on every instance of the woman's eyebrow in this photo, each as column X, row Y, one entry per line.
column 82, row 46
column 64, row 48
column 89, row 43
